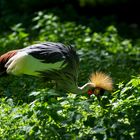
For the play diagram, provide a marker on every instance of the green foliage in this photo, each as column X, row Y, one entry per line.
column 100, row 2
column 29, row 110
column 74, row 117
column 16, row 39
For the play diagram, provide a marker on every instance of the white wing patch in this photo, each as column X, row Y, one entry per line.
column 22, row 63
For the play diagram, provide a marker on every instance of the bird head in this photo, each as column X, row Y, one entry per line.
column 99, row 83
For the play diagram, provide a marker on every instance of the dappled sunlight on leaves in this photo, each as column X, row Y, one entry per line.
column 30, row 108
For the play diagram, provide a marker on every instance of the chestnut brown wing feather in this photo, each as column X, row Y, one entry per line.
column 4, row 59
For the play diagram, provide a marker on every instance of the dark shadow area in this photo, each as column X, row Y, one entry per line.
column 124, row 15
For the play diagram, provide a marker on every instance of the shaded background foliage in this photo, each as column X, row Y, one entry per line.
column 108, row 11
column 105, row 34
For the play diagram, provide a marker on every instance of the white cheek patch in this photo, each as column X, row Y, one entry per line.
column 22, row 63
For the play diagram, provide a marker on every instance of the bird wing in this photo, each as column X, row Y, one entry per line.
column 46, row 52
column 4, row 59
column 50, row 52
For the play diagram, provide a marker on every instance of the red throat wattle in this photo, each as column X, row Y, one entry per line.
column 90, row 92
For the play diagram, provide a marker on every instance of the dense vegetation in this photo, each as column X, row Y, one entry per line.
column 28, row 108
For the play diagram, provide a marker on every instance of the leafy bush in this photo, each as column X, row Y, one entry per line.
column 74, row 117
column 29, row 110
column 101, row 2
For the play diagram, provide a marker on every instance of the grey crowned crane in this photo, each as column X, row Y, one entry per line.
column 54, row 62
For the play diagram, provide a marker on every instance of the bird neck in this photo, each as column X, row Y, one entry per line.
column 85, row 88
column 75, row 89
